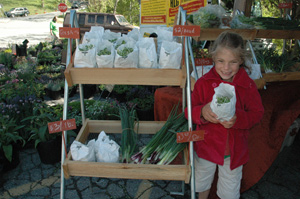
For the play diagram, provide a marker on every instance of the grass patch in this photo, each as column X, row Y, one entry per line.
column 34, row 6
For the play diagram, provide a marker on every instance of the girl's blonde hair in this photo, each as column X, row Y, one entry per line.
column 233, row 42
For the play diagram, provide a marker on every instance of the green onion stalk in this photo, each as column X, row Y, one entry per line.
column 129, row 136
column 163, row 147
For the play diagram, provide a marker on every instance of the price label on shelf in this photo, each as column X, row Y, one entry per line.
column 285, row 5
column 67, row 32
column 186, row 31
column 62, row 125
column 190, row 136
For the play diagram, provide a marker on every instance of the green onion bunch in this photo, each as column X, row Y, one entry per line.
column 129, row 136
column 163, row 147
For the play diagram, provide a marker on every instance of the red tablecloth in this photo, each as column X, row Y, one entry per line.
column 281, row 101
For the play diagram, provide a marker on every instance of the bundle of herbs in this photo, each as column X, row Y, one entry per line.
column 129, row 136
column 163, row 147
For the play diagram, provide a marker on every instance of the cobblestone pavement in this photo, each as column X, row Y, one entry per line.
column 35, row 180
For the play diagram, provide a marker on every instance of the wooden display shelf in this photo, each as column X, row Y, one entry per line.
column 247, row 34
column 177, row 172
column 128, row 76
column 278, row 34
column 213, row 33
column 284, row 76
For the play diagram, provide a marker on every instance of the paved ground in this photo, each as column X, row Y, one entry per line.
column 35, row 180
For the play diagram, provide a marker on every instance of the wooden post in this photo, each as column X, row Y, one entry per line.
column 243, row 6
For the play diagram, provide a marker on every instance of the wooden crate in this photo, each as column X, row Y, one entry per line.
column 179, row 172
column 128, row 76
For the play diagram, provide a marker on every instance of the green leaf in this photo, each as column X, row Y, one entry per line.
column 7, row 149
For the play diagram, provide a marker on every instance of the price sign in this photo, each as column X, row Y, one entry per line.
column 285, row 5
column 203, row 61
column 186, row 31
column 190, row 136
column 67, row 32
column 62, row 125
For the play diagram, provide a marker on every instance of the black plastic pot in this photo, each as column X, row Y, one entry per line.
column 5, row 164
column 50, row 151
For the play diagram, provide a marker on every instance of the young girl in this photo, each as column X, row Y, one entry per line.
column 225, row 142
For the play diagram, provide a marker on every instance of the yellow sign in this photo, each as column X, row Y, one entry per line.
column 188, row 5
column 161, row 12
column 153, row 12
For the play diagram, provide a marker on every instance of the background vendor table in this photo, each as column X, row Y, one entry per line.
column 281, row 101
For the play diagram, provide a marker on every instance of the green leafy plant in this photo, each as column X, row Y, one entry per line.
column 37, row 124
column 8, row 135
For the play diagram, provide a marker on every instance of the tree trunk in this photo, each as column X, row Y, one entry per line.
column 42, row 3
column 115, row 7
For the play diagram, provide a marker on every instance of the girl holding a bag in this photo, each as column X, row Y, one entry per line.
column 225, row 142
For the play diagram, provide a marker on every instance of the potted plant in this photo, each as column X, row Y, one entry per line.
column 48, row 145
column 54, row 89
column 9, row 137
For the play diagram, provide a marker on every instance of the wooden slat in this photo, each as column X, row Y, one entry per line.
column 285, row 76
column 114, row 126
column 278, row 34
column 213, row 33
column 122, row 76
column 129, row 171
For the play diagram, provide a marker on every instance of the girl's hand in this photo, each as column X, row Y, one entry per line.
column 230, row 123
column 208, row 115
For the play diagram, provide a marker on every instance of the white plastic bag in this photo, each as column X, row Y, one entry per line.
column 85, row 56
column 206, row 69
column 82, row 152
column 111, row 36
column 126, row 61
column 134, row 34
column 163, row 34
column 106, row 150
column 147, row 53
column 123, row 40
column 209, row 16
column 170, row 55
column 105, row 61
column 92, row 37
column 224, row 111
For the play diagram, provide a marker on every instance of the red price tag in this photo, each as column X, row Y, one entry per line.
column 189, row 136
column 67, row 32
column 186, row 31
column 62, row 125
column 285, row 5
column 203, row 61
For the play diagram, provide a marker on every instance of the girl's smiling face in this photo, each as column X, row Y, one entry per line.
column 227, row 64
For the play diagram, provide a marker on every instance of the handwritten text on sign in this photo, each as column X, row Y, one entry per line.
column 190, row 136
column 186, row 31
column 285, row 5
column 62, row 125
column 67, row 32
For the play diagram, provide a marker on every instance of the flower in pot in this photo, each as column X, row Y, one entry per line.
column 9, row 136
